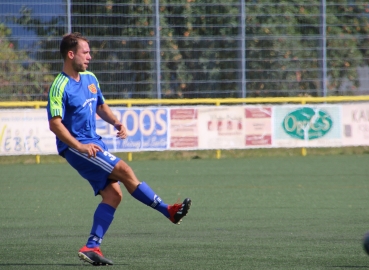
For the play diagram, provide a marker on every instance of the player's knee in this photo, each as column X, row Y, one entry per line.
column 113, row 198
column 117, row 197
column 124, row 168
column 112, row 194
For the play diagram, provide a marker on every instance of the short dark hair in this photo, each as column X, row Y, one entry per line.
column 70, row 43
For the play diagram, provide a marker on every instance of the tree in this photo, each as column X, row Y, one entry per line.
column 122, row 35
column 20, row 77
column 347, row 41
column 10, row 70
column 283, row 48
column 206, row 34
column 124, row 46
column 199, row 46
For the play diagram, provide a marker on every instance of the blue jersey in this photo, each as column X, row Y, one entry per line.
column 76, row 103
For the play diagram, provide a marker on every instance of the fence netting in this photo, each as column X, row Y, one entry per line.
column 190, row 49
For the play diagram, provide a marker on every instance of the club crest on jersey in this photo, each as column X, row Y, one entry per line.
column 92, row 88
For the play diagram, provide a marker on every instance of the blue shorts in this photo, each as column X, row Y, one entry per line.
column 95, row 170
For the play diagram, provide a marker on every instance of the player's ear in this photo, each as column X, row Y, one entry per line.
column 70, row 54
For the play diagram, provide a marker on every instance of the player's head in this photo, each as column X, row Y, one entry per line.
column 75, row 49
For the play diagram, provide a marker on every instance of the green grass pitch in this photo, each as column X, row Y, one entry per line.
column 252, row 213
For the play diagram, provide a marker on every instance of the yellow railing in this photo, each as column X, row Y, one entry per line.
column 215, row 101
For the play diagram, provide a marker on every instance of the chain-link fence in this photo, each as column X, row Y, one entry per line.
column 192, row 48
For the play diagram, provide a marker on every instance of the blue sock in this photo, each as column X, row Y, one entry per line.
column 146, row 195
column 103, row 217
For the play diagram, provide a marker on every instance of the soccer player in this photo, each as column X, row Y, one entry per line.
column 73, row 102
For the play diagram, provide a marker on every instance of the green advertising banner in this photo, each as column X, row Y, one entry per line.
column 307, row 126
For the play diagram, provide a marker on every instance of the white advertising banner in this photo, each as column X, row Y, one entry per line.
column 355, row 124
column 201, row 127
column 24, row 132
column 221, row 127
column 307, row 126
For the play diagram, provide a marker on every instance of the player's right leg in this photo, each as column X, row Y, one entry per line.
column 96, row 171
column 93, row 256
column 104, row 214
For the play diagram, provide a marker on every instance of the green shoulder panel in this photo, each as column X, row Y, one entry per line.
column 90, row 73
column 56, row 95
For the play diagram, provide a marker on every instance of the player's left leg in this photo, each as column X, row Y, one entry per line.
column 143, row 193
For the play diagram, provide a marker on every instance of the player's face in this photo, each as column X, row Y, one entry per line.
column 81, row 57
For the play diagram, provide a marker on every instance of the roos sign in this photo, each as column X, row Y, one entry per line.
column 147, row 129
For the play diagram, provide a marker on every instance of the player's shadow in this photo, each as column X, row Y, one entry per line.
column 51, row 264
column 350, row 267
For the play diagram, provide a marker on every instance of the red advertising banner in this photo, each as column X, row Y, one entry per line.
column 258, row 126
column 184, row 128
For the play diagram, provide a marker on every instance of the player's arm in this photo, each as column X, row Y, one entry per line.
column 107, row 115
column 58, row 128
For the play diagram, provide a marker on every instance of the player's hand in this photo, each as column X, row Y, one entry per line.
column 90, row 149
column 122, row 131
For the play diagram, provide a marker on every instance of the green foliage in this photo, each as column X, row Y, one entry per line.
column 256, row 213
column 209, row 50
column 200, row 46
column 10, row 68
column 284, row 46
column 20, row 77
column 272, row 40
column 131, row 48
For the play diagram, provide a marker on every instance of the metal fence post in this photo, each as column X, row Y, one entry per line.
column 69, row 15
column 323, row 46
column 243, row 49
column 158, row 58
